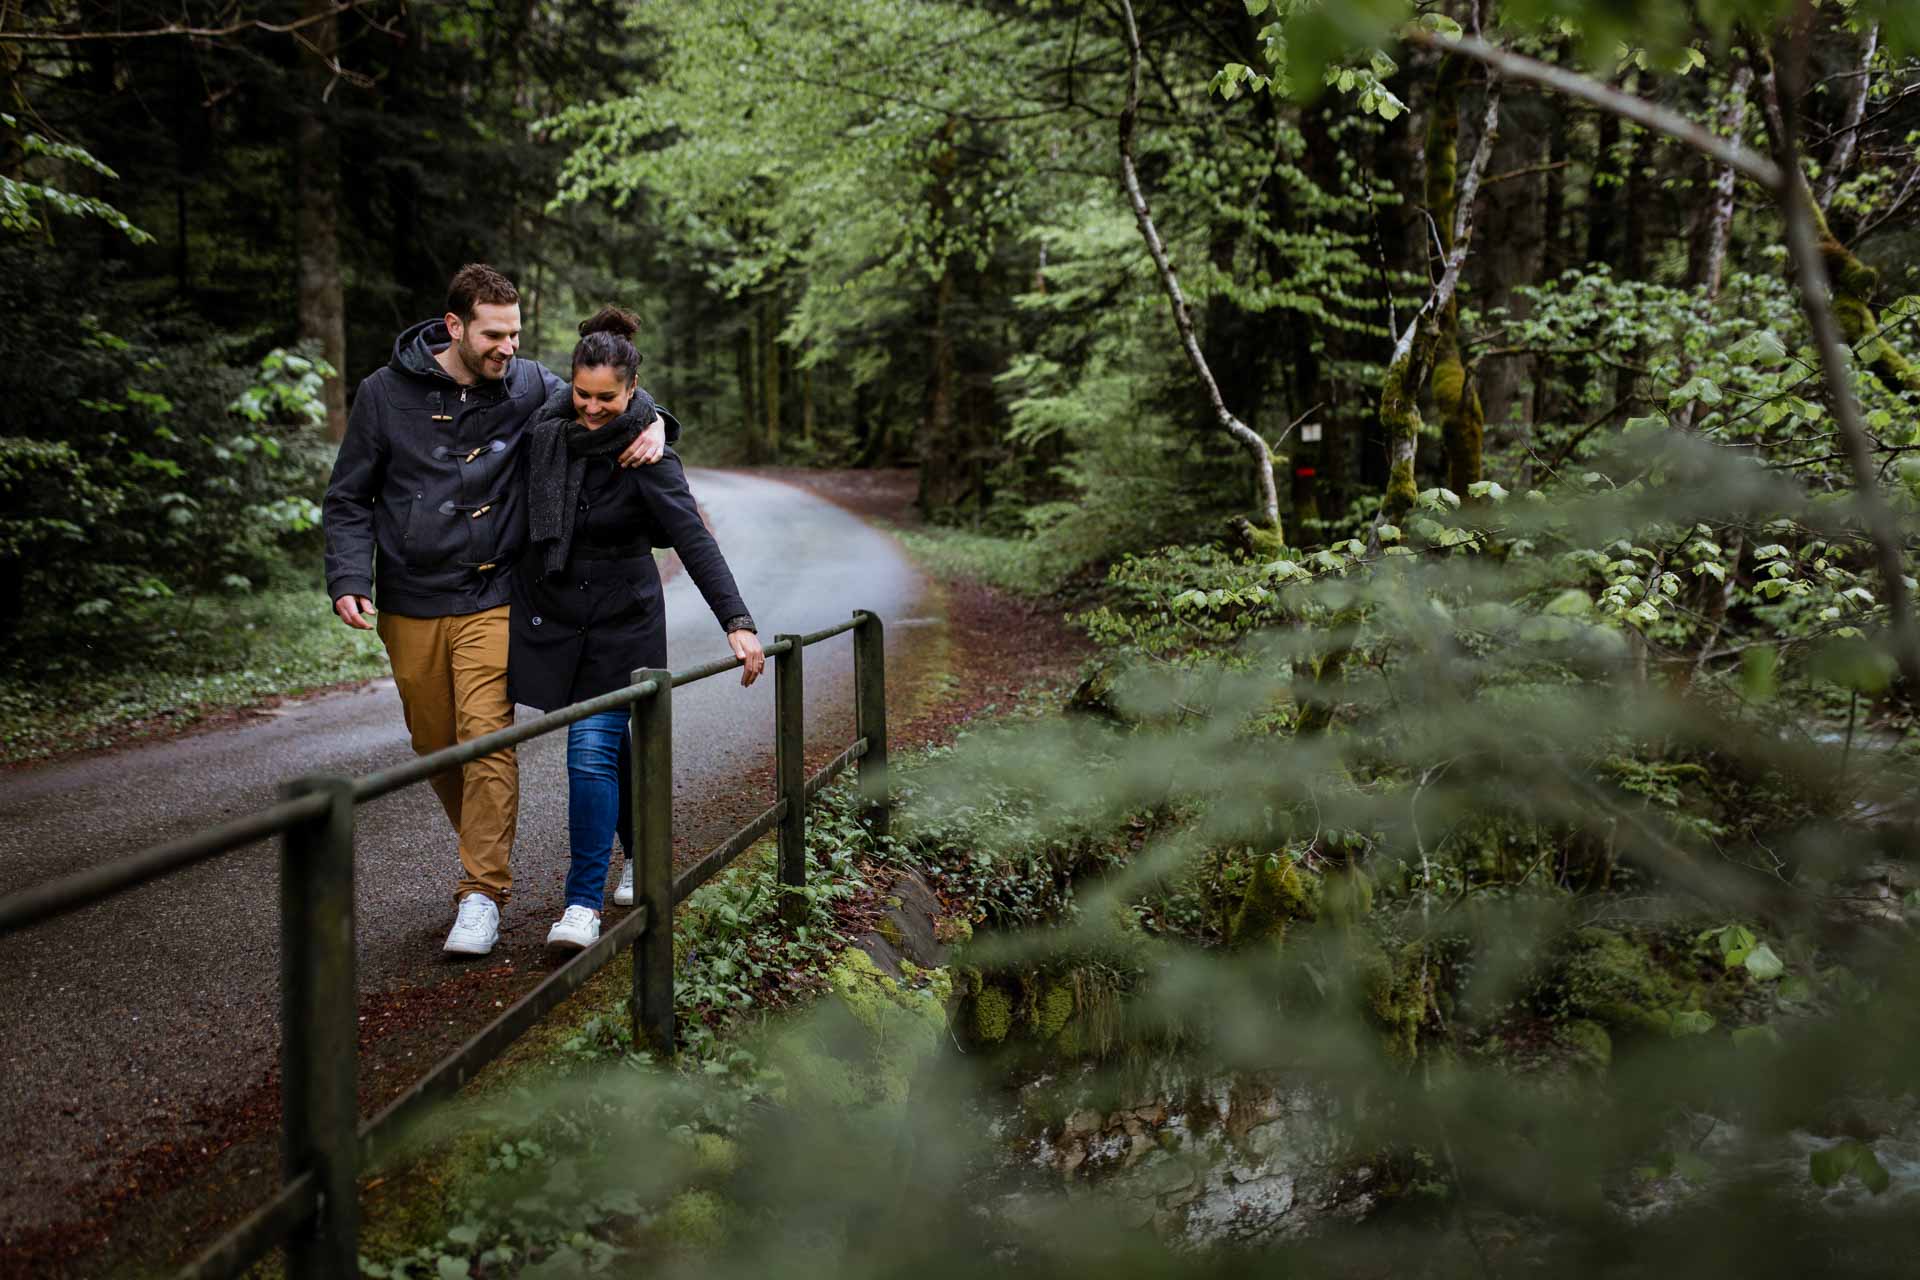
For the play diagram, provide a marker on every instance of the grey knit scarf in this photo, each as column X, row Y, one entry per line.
column 558, row 449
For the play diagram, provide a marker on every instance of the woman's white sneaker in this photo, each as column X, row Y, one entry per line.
column 623, row 896
column 476, row 928
column 577, row 928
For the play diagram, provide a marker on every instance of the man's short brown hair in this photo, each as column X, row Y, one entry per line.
column 476, row 283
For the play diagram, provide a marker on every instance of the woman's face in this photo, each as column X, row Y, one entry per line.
column 600, row 396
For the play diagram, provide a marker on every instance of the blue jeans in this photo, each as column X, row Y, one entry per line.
column 599, row 802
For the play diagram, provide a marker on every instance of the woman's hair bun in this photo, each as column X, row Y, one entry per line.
column 611, row 319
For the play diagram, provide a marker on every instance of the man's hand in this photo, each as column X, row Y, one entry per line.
column 354, row 611
column 746, row 647
column 648, row 446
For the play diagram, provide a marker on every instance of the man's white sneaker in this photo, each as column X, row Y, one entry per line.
column 476, row 928
column 577, row 928
column 623, row 896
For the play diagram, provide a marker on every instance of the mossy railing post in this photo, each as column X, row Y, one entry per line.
column 790, row 768
column 319, row 1030
column 652, row 853
column 870, row 718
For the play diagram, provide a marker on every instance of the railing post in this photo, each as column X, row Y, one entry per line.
column 790, row 757
column 652, row 854
column 319, row 1030
column 870, row 718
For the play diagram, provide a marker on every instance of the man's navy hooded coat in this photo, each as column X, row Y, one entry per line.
column 426, row 511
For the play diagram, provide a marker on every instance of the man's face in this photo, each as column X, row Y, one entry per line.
column 486, row 342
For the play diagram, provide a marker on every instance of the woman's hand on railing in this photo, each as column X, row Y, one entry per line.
column 746, row 647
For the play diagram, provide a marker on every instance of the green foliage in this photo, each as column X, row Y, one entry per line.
column 145, row 470
column 25, row 205
column 172, row 661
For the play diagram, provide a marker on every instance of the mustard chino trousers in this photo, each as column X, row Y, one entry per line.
column 452, row 677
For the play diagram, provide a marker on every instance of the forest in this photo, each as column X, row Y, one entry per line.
column 1477, row 440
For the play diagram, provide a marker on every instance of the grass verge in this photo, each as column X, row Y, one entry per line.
column 167, row 668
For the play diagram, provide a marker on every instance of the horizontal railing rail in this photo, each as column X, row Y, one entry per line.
column 324, row 1145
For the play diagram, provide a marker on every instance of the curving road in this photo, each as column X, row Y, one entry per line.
column 121, row 1021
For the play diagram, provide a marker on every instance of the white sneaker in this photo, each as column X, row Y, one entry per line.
column 623, row 896
column 576, row 929
column 476, row 928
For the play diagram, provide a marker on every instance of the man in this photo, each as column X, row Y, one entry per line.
column 429, row 474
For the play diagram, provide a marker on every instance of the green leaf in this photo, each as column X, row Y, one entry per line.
column 1833, row 1164
column 454, row 1268
column 464, row 1234
column 1571, row 603
column 1758, row 672
column 1763, row 964
column 1691, row 1167
column 1691, row 1022
column 1872, row 1174
column 1794, row 990
column 1828, row 1166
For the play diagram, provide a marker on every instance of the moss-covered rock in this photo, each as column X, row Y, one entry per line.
column 710, row 1157
column 1052, row 1009
column 1398, row 990
column 865, row 1048
column 992, row 1015
column 1588, row 1042
column 1346, row 895
column 696, row 1219
column 1071, row 1040
column 1279, row 892
column 1613, row 979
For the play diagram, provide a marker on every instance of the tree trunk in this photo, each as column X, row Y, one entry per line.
column 1849, row 138
column 937, row 473
column 1455, row 399
column 770, row 368
column 1851, row 281
column 1643, row 206
column 1419, row 345
column 1258, row 454
column 744, row 343
column 1707, row 263
column 806, row 405
column 1603, row 193
column 1516, row 230
column 321, row 310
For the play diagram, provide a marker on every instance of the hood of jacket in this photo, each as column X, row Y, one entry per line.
column 413, row 352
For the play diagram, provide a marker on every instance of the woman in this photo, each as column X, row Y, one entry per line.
column 587, row 607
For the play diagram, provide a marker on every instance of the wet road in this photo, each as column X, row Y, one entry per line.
column 117, row 1019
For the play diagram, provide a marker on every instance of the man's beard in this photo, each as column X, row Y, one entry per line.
column 475, row 362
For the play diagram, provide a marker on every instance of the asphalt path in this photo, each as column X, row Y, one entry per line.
column 116, row 1020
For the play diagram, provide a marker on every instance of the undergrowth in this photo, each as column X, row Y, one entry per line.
column 173, row 661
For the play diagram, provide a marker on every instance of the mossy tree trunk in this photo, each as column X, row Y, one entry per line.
column 1851, row 282
column 1455, row 397
column 1433, row 333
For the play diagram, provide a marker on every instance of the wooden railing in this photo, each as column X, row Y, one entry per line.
column 324, row 1146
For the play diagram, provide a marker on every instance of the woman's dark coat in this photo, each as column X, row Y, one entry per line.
column 582, row 632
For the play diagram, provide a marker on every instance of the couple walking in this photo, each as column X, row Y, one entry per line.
column 504, row 520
